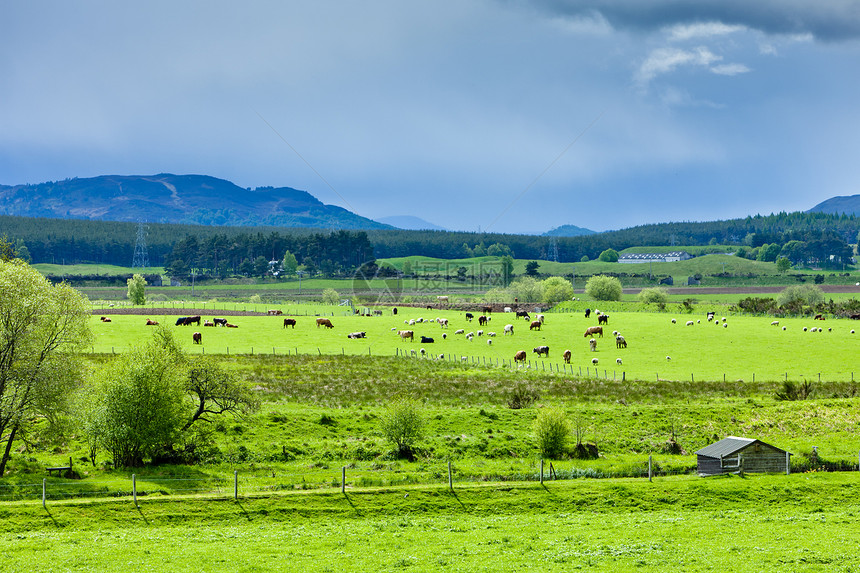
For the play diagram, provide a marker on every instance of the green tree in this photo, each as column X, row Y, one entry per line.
column 609, row 256
column 556, row 290
column 261, row 266
column 507, row 269
column 213, row 390
column 330, row 296
column 602, row 287
column 291, row 264
column 552, row 431
column 657, row 295
column 246, row 268
column 402, row 425
column 526, row 289
column 584, row 259
column 532, row 268
column 137, row 289
column 783, row 264
column 794, row 297
column 407, row 268
column 136, row 409
column 43, row 327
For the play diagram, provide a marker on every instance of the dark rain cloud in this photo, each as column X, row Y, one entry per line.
column 825, row 20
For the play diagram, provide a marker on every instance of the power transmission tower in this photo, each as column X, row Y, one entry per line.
column 141, row 257
column 553, row 249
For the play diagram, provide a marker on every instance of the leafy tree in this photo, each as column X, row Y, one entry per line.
column 461, row 274
column 556, row 290
column 407, row 268
column 657, row 295
column 793, row 298
column 532, row 268
column 609, row 256
column 783, row 264
column 602, row 287
column 22, row 252
column 584, row 259
column 525, row 289
column 214, row 390
column 261, row 266
column 137, row 289
column 507, row 262
column 246, row 268
column 309, row 266
column 794, row 251
column 552, row 431
column 136, row 405
column 42, row 329
column 291, row 264
column 499, row 250
column 819, row 279
column 330, row 296
column 403, row 425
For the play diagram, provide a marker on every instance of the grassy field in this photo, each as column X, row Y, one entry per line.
column 657, row 348
column 797, row 523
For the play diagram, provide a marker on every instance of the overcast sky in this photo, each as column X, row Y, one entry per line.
column 500, row 115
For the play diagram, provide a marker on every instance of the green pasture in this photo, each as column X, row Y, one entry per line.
column 94, row 269
column 763, row 523
column 739, row 349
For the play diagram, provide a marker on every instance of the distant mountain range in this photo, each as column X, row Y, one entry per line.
column 410, row 223
column 568, row 231
column 850, row 205
column 168, row 198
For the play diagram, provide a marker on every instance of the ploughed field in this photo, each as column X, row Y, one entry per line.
column 747, row 348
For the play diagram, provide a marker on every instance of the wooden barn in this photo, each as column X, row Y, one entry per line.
column 733, row 454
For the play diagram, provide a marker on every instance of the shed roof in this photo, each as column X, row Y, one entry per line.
column 728, row 446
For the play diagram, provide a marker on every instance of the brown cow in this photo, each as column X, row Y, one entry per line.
column 105, row 319
column 520, row 356
column 404, row 334
column 566, row 356
column 593, row 330
column 228, row 325
column 150, row 322
column 535, row 325
column 197, row 337
column 274, row 312
column 482, row 320
column 290, row 322
column 487, row 309
column 208, row 323
column 324, row 322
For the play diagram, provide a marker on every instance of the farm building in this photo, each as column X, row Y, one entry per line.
column 731, row 454
column 654, row 257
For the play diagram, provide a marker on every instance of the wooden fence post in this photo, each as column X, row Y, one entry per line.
column 541, row 471
column 450, row 477
column 343, row 479
column 787, row 463
column 44, row 492
column 235, row 484
column 650, row 474
column 134, row 488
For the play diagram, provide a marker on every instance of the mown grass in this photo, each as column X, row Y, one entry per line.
column 788, row 522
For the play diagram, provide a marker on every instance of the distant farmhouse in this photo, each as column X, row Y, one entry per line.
column 655, row 257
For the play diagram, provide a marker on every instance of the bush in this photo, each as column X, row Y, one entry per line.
column 402, row 425
column 255, row 299
column 556, row 290
column 601, row 287
column 552, row 430
column 796, row 296
column 522, row 397
column 609, row 256
column 657, row 295
column 330, row 296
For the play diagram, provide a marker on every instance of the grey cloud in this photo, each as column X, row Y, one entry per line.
column 826, row 20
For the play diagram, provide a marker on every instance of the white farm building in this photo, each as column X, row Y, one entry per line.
column 654, row 257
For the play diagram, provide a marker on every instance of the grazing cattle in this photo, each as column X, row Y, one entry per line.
column 444, row 335
column 230, row 325
column 603, row 319
column 356, row 335
column 710, row 316
column 587, row 312
column 690, row 323
column 523, row 314
column 854, row 316
column 179, row 321
column 274, row 312
column 483, row 320
column 443, row 322
column 192, row 320
column 220, row 321
column 542, row 351
column 150, row 322
column 620, row 342
column 509, row 329
column 775, row 323
column 208, row 323
column 540, row 317
column 480, row 333
column 404, row 334
column 105, row 319
column 491, row 334
column 324, row 322
column 592, row 345
column 566, row 356
column 487, row 309
column 291, row 322
column 592, row 330
column 442, row 300
column 520, row 356
column 489, row 342
column 535, row 325
column 508, row 309
column 197, row 338
column 674, row 321
column 427, row 340
column 469, row 316
column 818, row 317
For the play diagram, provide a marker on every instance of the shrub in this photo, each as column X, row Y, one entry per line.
column 609, row 256
column 255, row 299
column 556, row 290
column 657, row 295
column 602, row 287
column 522, row 397
column 330, row 296
column 402, row 425
column 552, row 430
column 791, row 391
column 796, row 296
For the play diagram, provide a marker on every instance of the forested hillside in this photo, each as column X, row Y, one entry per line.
column 813, row 238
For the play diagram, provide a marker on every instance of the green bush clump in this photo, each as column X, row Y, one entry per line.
column 552, row 431
column 402, row 425
column 602, row 287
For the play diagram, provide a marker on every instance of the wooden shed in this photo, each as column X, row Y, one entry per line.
column 733, row 454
